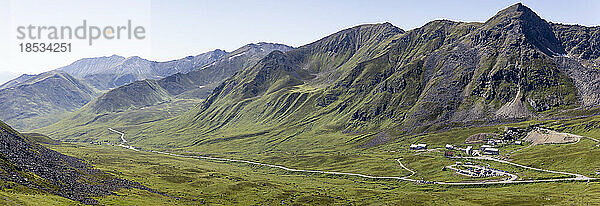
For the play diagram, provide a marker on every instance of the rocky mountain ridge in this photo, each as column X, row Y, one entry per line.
column 513, row 67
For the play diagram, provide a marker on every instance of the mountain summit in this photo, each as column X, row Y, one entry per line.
column 521, row 20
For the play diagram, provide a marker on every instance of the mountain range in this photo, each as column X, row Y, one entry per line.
column 514, row 66
column 105, row 73
column 332, row 105
column 380, row 78
column 35, row 101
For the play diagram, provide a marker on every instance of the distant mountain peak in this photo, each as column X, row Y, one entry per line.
column 219, row 51
column 115, row 56
column 382, row 26
column 519, row 7
column 134, row 58
column 521, row 12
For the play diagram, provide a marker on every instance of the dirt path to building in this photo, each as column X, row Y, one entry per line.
column 577, row 177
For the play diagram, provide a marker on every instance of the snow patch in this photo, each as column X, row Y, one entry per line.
column 237, row 55
column 556, row 54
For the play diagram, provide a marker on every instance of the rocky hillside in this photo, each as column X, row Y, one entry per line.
column 35, row 101
column 513, row 67
column 31, row 165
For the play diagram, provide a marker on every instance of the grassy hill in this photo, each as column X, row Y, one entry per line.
column 148, row 101
column 136, row 95
column 42, row 99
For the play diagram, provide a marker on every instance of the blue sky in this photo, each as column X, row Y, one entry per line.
column 178, row 28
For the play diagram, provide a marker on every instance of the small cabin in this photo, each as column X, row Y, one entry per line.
column 418, row 146
column 490, row 151
column 450, row 147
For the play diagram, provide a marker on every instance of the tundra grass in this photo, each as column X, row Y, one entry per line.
column 191, row 182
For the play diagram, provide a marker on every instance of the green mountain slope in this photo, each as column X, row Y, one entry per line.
column 148, row 101
column 132, row 96
column 274, row 90
column 42, row 99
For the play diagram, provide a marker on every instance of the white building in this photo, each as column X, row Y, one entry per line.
column 418, row 146
column 469, row 150
column 450, row 147
column 490, row 151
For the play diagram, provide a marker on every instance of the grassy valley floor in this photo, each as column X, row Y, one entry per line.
column 192, row 181
column 189, row 181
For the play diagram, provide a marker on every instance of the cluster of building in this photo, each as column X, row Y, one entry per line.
column 488, row 150
column 481, row 172
column 503, row 142
column 483, row 150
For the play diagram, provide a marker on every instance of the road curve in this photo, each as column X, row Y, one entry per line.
column 404, row 178
column 124, row 144
column 121, row 133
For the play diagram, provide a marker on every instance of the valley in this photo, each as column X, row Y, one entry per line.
column 500, row 112
column 513, row 178
column 207, row 180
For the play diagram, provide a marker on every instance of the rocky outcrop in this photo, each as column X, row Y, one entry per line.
column 34, row 166
column 515, row 109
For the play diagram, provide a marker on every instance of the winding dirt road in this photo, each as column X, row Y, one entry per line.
column 577, row 177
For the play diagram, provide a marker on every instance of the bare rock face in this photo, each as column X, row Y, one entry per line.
column 586, row 79
column 514, row 109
